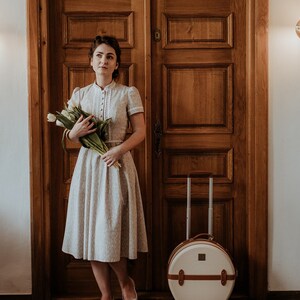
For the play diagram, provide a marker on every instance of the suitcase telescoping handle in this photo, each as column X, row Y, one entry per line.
column 210, row 202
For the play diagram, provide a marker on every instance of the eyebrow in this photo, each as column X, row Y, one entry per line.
column 109, row 53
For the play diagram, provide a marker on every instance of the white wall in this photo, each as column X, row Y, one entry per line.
column 15, row 252
column 284, row 146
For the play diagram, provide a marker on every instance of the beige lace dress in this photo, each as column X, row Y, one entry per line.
column 105, row 219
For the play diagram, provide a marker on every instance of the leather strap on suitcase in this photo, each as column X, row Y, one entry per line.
column 181, row 277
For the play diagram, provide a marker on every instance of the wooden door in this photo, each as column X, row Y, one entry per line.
column 199, row 123
column 206, row 109
column 73, row 25
column 218, row 145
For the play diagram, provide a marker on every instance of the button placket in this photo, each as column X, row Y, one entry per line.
column 102, row 105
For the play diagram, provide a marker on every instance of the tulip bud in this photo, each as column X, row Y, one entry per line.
column 51, row 118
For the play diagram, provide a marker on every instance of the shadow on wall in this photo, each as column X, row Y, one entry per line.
column 15, row 274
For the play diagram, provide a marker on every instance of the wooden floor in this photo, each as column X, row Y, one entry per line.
column 141, row 296
column 275, row 295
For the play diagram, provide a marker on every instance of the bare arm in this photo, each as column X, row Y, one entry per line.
column 81, row 128
column 138, row 135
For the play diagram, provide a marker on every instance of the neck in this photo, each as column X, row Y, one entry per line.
column 103, row 81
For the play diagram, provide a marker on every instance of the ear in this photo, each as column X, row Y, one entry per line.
column 117, row 66
column 91, row 62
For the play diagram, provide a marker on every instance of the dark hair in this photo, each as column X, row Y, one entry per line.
column 110, row 41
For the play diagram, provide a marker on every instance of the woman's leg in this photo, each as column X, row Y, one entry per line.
column 126, row 283
column 101, row 272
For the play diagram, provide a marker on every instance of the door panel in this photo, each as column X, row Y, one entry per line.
column 199, row 98
column 196, row 30
column 207, row 93
column 73, row 26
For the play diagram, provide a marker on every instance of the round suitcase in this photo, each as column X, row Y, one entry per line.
column 201, row 269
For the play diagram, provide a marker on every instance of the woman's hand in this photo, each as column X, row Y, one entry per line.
column 81, row 128
column 112, row 155
column 138, row 134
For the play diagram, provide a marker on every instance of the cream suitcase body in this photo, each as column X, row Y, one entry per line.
column 199, row 268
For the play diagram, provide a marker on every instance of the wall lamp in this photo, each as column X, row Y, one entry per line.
column 298, row 28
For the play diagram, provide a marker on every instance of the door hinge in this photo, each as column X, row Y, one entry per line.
column 157, row 35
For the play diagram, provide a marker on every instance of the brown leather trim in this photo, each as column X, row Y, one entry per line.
column 223, row 277
column 181, row 277
column 197, row 240
column 200, row 277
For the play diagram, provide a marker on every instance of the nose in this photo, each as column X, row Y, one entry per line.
column 104, row 59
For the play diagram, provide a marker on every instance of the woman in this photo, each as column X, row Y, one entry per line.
column 105, row 220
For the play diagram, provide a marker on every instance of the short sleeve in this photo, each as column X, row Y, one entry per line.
column 75, row 98
column 134, row 102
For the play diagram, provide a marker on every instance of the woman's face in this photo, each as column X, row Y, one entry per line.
column 104, row 60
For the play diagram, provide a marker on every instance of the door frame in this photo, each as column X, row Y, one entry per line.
column 257, row 145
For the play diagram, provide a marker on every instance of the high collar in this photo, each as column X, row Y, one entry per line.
column 107, row 87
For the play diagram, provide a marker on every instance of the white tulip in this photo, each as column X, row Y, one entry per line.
column 51, row 118
column 65, row 113
column 60, row 124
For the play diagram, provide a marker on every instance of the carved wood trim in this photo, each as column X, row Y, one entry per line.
column 219, row 160
column 222, row 231
column 286, row 295
column 15, row 297
column 70, row 19
column 221, row 39
column 257, row 145
column 38, row 94
column 224, row 122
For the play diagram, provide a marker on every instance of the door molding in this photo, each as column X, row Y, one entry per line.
column 38, row 97
column 257, row 146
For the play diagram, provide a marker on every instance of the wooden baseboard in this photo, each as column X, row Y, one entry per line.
column 290, row 295
column 142, row 296
column 15, row 297
column 286, row 295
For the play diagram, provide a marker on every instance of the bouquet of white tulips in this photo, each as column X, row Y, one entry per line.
column 95, row 141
